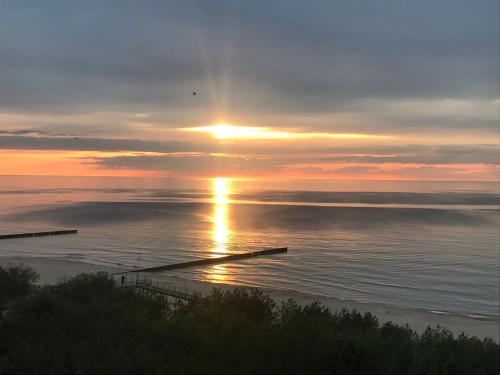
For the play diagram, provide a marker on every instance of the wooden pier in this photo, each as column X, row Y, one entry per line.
column 38, row 234
column 207, row 261
column 165, row 290
column 140, row 279
column 146, row 285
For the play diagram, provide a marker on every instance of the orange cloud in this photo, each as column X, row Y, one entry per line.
column 95, row 163
column 61, row 163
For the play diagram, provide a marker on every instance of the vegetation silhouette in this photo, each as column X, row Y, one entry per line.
column 88, row 325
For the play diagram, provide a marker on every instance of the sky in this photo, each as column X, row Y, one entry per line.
column 368, row 90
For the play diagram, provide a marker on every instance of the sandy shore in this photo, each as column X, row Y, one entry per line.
column 52, row 270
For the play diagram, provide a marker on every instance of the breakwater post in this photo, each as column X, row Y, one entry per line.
column 38, row 234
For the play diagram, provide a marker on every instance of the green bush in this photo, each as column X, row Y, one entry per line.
column 87, row 325
column 15, row 281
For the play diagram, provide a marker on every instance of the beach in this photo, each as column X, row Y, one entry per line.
column 53, row 270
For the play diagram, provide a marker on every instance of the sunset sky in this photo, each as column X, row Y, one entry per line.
column 284, row 89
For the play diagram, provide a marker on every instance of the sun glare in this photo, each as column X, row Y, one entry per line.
column 226, row 131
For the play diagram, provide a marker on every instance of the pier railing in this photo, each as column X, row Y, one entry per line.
column 144, row 283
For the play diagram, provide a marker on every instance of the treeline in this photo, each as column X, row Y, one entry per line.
column 87, row 325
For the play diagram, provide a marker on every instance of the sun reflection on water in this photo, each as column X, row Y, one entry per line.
column 220, row 231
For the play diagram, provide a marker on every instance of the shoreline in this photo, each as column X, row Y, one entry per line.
column 53, row 270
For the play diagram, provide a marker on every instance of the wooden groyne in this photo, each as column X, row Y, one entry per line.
column 38, row 234
column 206, row 261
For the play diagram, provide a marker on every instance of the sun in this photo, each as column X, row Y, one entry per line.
column 228, row 131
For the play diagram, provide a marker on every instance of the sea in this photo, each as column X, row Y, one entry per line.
column 426, row 245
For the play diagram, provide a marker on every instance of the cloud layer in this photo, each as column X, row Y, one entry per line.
column 119, row 77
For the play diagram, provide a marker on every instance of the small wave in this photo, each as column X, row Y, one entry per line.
column 479, row 317
column 440, row 312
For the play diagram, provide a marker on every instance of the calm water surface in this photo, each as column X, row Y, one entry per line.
column 429, row 245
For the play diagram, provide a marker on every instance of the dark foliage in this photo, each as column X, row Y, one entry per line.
column 87, row 325
column 15, row 281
